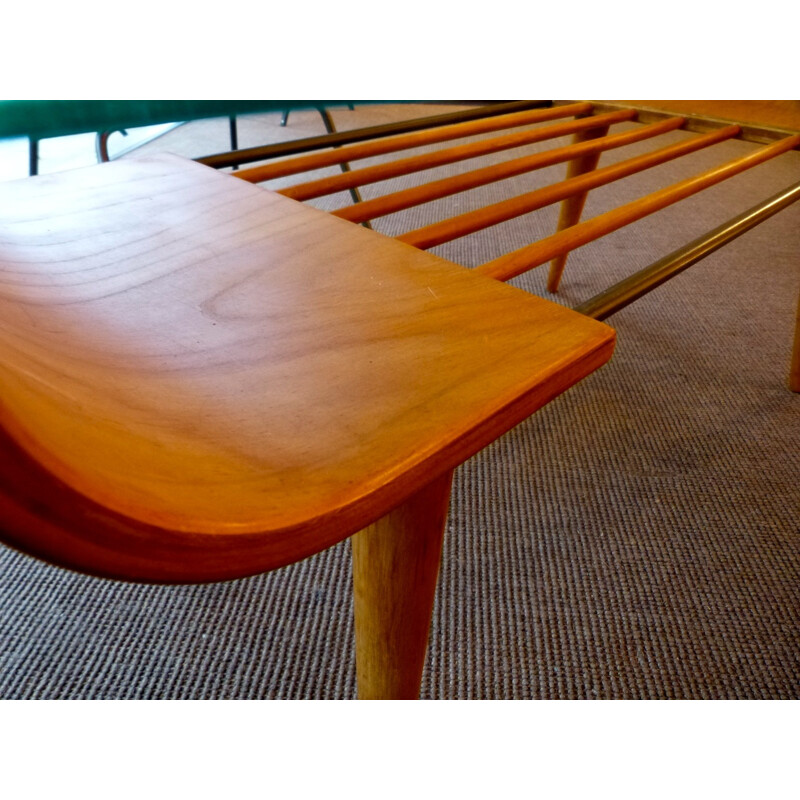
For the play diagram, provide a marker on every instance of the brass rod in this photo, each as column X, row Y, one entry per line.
column 622, row 294
column 375, row 147
column 281, row 149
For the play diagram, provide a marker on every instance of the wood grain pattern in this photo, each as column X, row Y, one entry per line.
column 763, row 122
column 395, row 567
column 472, row 221
column 405, row 141
column 416, row 195
column 203, row 380
column 519, row 261
column 406, row 166
column 572, row 207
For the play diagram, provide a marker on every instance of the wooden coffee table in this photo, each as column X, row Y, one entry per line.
column 203, row 380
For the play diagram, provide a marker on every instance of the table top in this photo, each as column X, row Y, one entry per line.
column 207, row 361
column 783, row 114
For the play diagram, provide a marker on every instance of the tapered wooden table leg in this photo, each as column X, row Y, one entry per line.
column 395, row 568
column 794, row 368
column 572, row 207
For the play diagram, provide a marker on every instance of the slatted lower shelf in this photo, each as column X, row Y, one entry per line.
column 591, row 128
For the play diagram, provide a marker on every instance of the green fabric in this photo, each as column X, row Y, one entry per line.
column 40, row 119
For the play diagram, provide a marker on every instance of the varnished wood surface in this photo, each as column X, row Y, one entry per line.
column 471, row 221
column 423, row 193
column 572, row 207
column 761, row 121
column 405, row 141
column 515, row 263
column 450, row 155
column 395, row 567
column 202, row 380
column 780, row 114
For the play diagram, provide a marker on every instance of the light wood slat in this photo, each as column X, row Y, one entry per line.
column 277, row 150
column 416, row 195
column 406, row 166
column 472, row 221
column 376, row 147
column 519, row 261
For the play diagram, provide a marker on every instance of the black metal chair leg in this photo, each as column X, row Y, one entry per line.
column 33, row 157
column 330, row 128
column 101, row 145
column 285, row 116
column 234, row 135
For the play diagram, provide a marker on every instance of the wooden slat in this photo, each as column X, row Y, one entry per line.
column 292, row 166
column 637, row 285
column 519, row 261
column 416, row 195
column 473, row 221
column 406, row 166
column 308, row 144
